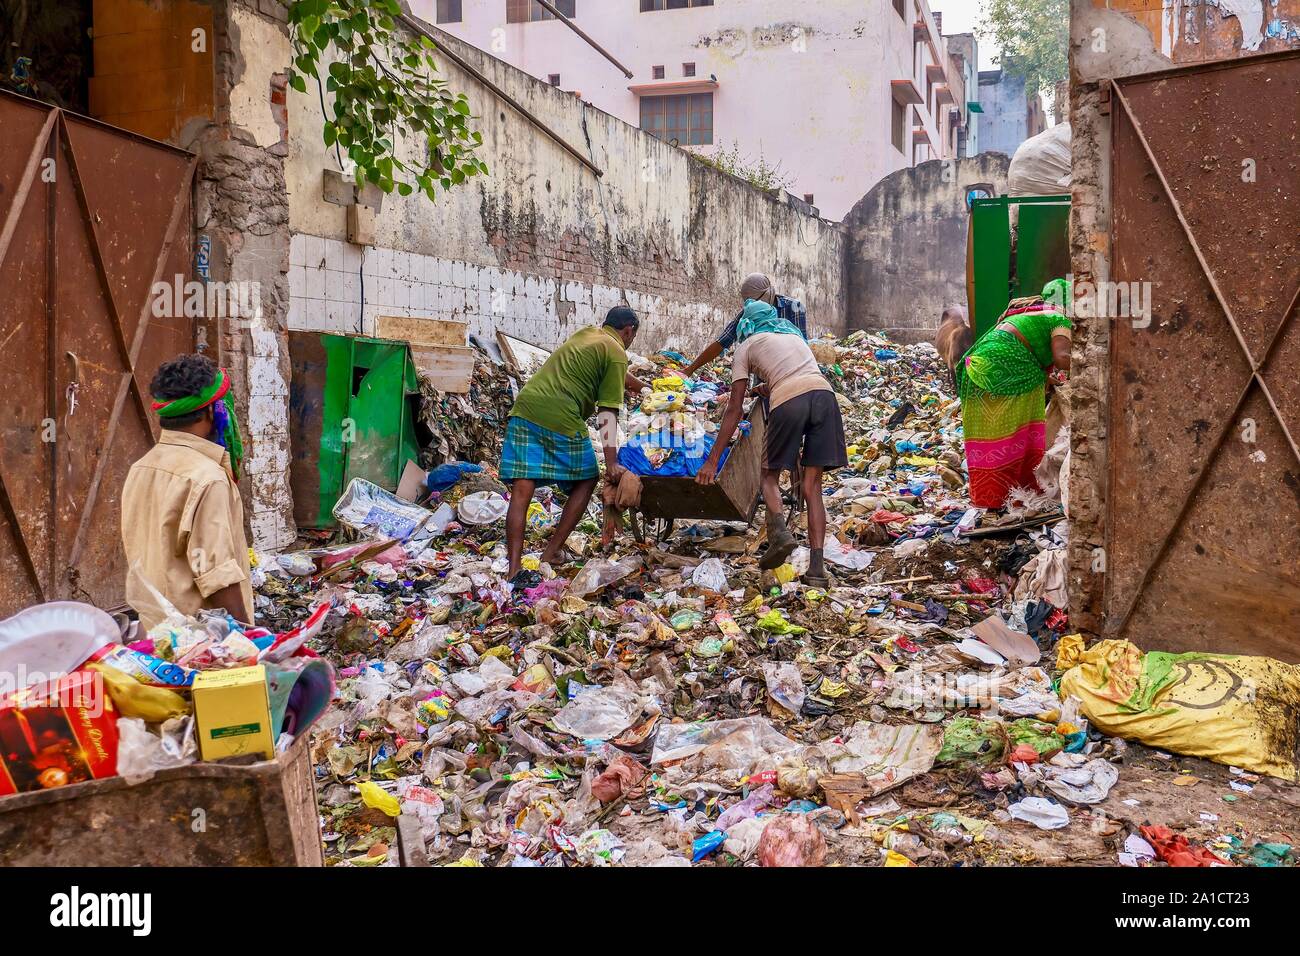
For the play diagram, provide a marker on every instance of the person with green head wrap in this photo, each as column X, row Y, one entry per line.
column 1002, row 382
column 804, row 428
column 182, row 515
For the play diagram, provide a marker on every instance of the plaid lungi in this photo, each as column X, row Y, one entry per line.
column 546, row 457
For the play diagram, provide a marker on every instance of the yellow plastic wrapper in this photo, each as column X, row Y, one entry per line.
column 153, row 705
column 532, row 562
column 669, row 383
column 1231, row 709
column 785, row 573
column 663, row 402
column 464, row 861
column 375, row 796
column 894, row 858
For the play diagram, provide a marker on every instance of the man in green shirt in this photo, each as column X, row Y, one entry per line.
column 546, row 440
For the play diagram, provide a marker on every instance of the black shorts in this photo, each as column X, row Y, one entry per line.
column 810, row 421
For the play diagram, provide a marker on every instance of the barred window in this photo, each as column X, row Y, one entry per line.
column 687, row 118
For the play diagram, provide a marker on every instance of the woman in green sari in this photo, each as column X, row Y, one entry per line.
column 1002, row 383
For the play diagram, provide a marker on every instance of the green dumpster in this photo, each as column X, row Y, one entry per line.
column 353, row 405
column 1002, row 269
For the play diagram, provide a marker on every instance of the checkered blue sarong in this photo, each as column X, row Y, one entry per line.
column 546, row 457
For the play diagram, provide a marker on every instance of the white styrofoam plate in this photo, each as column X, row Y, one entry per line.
column 48, row 640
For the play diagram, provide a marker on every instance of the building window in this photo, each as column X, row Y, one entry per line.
column 649, row 6
column 687, row 118
column 553, row 79
column 900, row 7
column 688, row 69
column 523, row 11
column 449, row 11
column 899, row 126
column 657, row 72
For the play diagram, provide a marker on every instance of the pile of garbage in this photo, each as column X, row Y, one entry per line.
column 672, row 704
column 87, row 696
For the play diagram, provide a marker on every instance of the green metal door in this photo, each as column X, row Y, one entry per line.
column 1041, row 251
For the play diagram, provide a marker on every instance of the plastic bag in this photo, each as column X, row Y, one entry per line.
column 1035, row 733
column 784, row 684
column 601, row 573
column 774, row 622
column 482, row 508
column 967, row 740
column 1086, row 783
column 1042, row 165
column 792, row 840
column 747, row 808
column 136, row 700
column 1041, row 812
column 1233, row 710
column 141, row 754
column 377, row 798
column 599, row 713
column 725, row 744
column 711, row 575
column 886, row 755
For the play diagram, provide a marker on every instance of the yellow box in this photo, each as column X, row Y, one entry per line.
column 233, row 713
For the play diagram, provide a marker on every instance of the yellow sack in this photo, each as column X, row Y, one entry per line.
column 1235, row 710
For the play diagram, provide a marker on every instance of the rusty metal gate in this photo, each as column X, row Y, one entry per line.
column 90, row 218
column 1203, row 496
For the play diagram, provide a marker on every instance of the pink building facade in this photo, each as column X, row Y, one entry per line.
column 836, row 93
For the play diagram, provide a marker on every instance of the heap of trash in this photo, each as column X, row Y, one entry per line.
column 669, row 703
column 88, row 696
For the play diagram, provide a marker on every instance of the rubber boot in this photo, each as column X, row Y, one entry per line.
column 780, row 543
column 815, row 576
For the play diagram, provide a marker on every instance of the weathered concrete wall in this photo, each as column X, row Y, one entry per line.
column 242, row 208
column 542, row 245
column 907, row 245
column 1109, row 40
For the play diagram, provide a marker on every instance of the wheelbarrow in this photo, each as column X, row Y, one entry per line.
column 733, row 497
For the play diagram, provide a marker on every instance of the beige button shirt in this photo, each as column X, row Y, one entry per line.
column 183, row 526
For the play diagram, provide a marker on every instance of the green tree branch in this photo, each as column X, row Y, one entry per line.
column 383, row 82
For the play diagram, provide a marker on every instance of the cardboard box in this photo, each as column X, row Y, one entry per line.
column 233, row 713
column 56, row 733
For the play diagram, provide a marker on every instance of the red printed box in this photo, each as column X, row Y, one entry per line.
column 56, row 733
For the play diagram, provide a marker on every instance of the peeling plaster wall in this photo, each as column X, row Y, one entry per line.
column 907, row 246
column 242, row 209
column 1108, row 40
column 542, row 245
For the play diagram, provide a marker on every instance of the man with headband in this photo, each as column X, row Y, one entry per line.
column 182, row 516
column 757, row 288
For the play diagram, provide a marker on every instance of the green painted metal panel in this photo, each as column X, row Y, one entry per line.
column 1042, row 245
column 991, row 261
column 354, row 417
column 383, row 433
column 1042, row 251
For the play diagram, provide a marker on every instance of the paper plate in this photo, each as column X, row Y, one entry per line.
column 51, row 639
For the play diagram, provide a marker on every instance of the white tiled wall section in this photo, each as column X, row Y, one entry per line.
column 327, row 278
